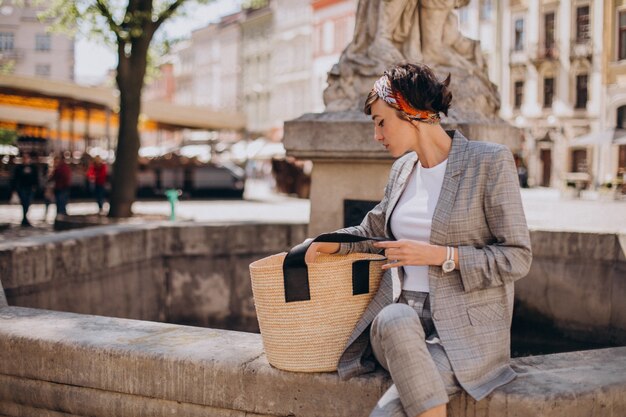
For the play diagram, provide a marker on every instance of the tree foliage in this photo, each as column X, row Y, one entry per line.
column 130, row 27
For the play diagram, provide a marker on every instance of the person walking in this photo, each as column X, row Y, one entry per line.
column 25, row 182
column 97, row 176
column 457, row 239
column 61, row 177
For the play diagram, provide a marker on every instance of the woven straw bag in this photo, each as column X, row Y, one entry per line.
column 306, row 313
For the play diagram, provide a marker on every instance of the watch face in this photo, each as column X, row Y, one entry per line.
column 448, row 266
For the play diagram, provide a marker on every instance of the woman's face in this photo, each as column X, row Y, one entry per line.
column 398, row 136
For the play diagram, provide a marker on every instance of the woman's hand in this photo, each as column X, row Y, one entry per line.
column 411, row 252
column 319, row 247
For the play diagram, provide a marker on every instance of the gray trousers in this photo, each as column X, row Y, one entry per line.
column 405, row 342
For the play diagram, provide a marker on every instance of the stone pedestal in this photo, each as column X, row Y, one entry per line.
column 348, row 164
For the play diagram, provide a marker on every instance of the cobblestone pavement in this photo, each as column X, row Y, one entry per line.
column 545, row 209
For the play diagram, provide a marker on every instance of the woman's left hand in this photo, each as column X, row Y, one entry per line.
column 409, row 252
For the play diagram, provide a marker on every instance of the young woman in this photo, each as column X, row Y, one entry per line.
column 458, row 239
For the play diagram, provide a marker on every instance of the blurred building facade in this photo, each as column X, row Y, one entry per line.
column 551, row 85
column 613, row 118
column 560, row 67
column 27, row 48
column 256, row 57
column 479, row 20
column 333, row 27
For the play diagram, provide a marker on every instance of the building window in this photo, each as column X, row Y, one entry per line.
column 485, row 10
column 42, row 42
column 622, row 35
column 42, row 70
column 518, row 94
column 581, row 91
column 621, row 117
column 582, row 24
column 6, row 41
column 519, row 34
column 548, row 92
column 548, row 30
column 579, row 160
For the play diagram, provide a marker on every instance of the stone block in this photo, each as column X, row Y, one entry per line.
column 336, row 135
column 155, row 240
column 272, row 238
column 199, row 290
column 28, row 265
column 69, row 260
column 575, row 294
column 53, row 360
column 242, row 301
column 82, row 401
column 332, row 186
column 196, row 241
column 3, row 299
column 95, row 252
column 242, row 238
column 297, row 234
column 617, row 302
column 574, row 245
column 6, row 265
column 125, row 247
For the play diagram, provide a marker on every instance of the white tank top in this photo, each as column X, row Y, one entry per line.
column 413, row 215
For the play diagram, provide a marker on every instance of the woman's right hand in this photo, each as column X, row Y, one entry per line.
column 320, row 247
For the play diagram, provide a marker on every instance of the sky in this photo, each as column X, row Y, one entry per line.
column 93, row 60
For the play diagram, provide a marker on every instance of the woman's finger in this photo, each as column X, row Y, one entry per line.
column 393, row 264
column 387, row 244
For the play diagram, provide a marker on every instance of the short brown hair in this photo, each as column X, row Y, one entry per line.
column 419, row 86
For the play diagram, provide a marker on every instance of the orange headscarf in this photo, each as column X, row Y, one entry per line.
column 394, row 98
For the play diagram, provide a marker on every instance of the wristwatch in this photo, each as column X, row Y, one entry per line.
column 448, row 265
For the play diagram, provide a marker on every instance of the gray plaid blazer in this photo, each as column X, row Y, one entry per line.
column 480, row 212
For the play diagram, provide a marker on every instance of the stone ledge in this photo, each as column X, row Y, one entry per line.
column 85, row 365
column 348, row 135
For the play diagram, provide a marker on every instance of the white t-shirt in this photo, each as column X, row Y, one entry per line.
column 413, row 215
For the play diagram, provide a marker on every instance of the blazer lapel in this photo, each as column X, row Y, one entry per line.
column 449, row 188
column 398, row 189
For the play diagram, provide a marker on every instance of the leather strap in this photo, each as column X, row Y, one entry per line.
column 296, row 274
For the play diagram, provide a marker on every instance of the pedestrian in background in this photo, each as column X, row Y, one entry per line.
column 61, row 177
column 97, row 177
column 24, row 182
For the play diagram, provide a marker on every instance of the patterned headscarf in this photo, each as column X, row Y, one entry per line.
column 383, row 89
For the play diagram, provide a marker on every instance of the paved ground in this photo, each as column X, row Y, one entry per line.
column 545, row 210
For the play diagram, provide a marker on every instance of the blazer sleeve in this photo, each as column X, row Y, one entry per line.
column 509, row 256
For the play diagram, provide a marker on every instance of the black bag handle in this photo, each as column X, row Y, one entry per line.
column 296, row 273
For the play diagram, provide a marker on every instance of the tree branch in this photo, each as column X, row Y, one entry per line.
column 167, row 13
column 104, row 10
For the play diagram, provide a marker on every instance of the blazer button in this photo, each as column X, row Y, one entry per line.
column 436, row 315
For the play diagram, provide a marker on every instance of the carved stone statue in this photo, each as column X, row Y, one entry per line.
column 389, row 32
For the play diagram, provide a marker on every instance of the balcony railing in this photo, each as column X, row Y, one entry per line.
column 581, row 49
column 542, row 53
column 518, row 56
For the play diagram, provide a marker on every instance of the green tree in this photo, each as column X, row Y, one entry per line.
column 8, row 136
column 129, row 26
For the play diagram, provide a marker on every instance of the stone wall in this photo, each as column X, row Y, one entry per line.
column 178, row 272
column 66, row 364
column 577, row 281
column 193, row 273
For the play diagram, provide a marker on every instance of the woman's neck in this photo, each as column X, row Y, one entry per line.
column 433, row 146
